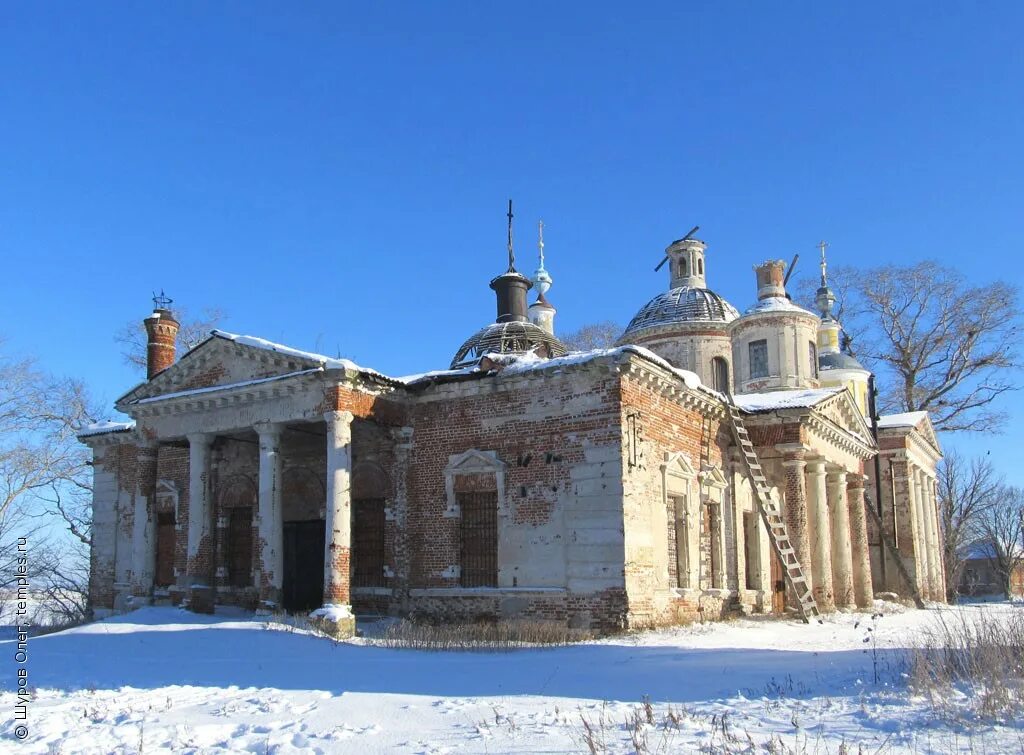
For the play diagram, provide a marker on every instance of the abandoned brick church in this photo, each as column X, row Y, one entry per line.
column 712, row 463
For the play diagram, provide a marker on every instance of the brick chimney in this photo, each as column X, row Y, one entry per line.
column 770, row 276
column 162, row 336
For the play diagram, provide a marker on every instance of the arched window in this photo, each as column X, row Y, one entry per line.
column 682, row 267
column 813, row 353
column 700, row 266
column 720, row 372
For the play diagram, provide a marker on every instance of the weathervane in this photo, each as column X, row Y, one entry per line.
column 162, row 301
column 511, row 253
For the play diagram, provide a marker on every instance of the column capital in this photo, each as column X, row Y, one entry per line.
column 338, row 415
column 269, row 431
column 837, row 475
column 200, row 439
column 855, row 480
column 815, row 464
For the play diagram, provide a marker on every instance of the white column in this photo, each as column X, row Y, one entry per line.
column 144, row 524
column 940, row 552
column 842, row 551
column 270, row 550
column 821, row 537
column 199, row 563
column 920, row 538
column 928, row 507
column 338, row 546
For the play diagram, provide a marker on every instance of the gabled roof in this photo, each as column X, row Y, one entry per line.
column 836, row 406
column 174, row 380
column 907, row 422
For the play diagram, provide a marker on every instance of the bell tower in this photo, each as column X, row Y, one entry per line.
column 686, row 263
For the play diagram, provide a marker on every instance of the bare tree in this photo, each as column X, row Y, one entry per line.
column 938, row 343
column 1003, row 529
column 967, row 489
column 132, row 336
column 598, row 335
column 45, row 482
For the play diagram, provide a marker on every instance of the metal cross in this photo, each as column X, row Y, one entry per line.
column 511, row 254
column 540, row 242
column 822, row 245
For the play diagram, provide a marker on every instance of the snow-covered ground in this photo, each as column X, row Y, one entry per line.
column 163, row 680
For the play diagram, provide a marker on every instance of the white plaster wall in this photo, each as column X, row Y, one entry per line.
column 789, row 364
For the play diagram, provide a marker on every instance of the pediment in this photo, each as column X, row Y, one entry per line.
column 841, row 411
column 225, row 360
column 474, row 462
column 677, row 465
column 711, row 476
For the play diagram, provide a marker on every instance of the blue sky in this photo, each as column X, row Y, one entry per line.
column 335, row 176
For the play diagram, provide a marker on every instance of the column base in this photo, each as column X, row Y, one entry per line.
column 201, row 599
column 337, row 620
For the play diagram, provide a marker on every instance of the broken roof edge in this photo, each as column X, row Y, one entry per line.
column 522, row 364
column 105, row 427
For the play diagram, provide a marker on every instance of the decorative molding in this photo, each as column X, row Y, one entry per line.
column 471, row 462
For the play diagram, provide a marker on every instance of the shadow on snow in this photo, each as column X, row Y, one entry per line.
column 135, row 651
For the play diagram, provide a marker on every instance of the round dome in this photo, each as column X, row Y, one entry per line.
column 681, row 305
column 508, row 338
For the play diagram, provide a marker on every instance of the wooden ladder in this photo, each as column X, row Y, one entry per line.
column 773, row 521
column 896, row 557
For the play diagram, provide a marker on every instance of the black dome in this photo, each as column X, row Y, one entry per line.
column 508, row 338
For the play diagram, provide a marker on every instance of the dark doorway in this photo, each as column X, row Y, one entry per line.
column 165, row 537
column 303, row 588
column 720, row 368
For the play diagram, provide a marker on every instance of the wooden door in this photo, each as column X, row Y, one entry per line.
column 303, row 587
column 778, row 585
column 165, row 538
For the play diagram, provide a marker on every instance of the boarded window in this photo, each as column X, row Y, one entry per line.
column 813, row 353
column 164, row 550
column 758, row 354
column 368, row 542
column 240, row 547
column 479, row 539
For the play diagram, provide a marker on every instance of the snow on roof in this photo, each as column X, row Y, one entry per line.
column 770, row 400
column 528, row 362
column 106, row 426
column 906, row 419
column 225, row 387
column 329, row 363
column 776, row 304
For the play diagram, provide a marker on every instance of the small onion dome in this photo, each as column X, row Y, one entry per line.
column 508, row 338
column 680, row 305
